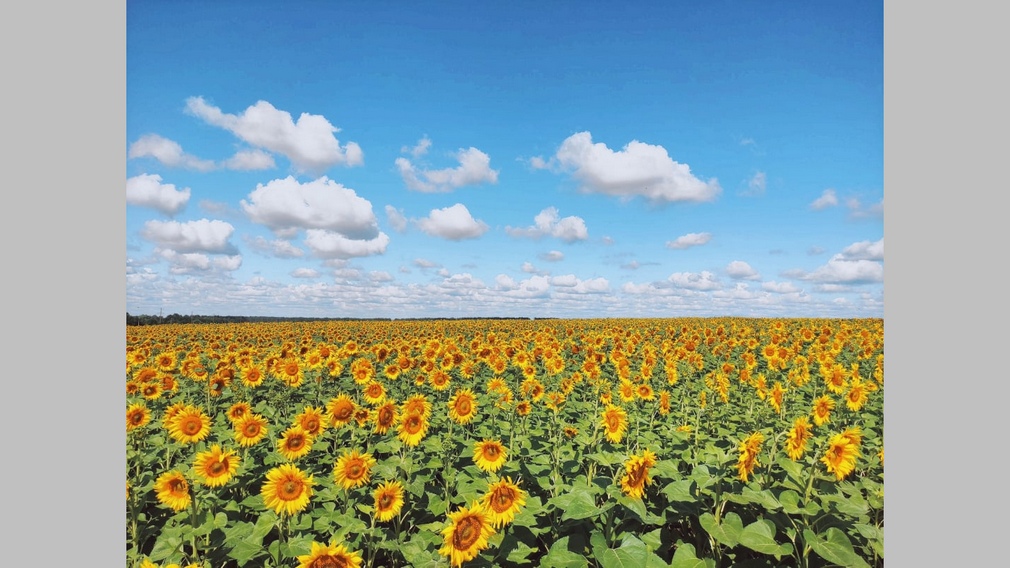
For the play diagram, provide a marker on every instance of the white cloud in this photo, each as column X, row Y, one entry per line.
column 396, row 219
column 193, row 236
column 286, row 206
column 538, row 163
column 632, row 265
column 329, row 244
column 857, row 211
column 418, row 150
column 756, row 184
column 305, row 273
column 279, row 248
column 474, row 168
column 146, row 190
column 864, row 250
column 528, row 268
column 246, row 160
column 570, row 283
column 638, row 169
column 425, row 263
column 695, row 281
column 552, row 256
column 195, row 263
column 380, row 276
column 167, row 152
column 689, row 240
column 827, row 199
column 454, row 223
column 548, row 223
column 534, row 287
column 780, row 287
column 309, row 143
column 505, row 282
column 839, row 270
column 740, row 270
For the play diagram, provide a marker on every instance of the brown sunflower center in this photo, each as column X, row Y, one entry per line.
column 502, row 499
column 251, row 430
column 385, row 501
column 491, row 452
column 354, row 470
column 329, row 561
column 295, row 442
column 463, row 406
column 613, row 422
column 289, row 490
column 385, row 416
column 218, row 468
column 467, row 533
column 136, row 417
column 413, row 424
column 178, row 486
column 311, row 424
column 344, row 412
column 191, row 425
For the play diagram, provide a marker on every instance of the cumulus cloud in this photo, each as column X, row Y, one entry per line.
column 167, row 152
column 864, row 250
column 505, row 282
column 380, row 276
column 420, row 149
column 425, row 263
column 858, row 263
column 474, row 168
column 195, row 262
column 638, row 169
column 740, row 270
column 780, row 287
column 247, row 160
column 454, row 223
column 146, row 190
column 569, row 283
column 827, row 199
column 287, row 206
column 548, row 223
column 330, row 244
column 305, row 273
column 689, row 240
column 702, row 281
column 552, row 256
column 193, row 236
column 756, row 185
column 309, row 143
column 396, row 219
column 278, row 248
column 857, row 211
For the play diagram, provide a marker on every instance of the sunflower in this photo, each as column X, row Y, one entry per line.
column 362, row 415
column 388, row 500
column 523, row 408
column 340, row 410
column 215, row 467
column 252, row 376
column 463, row 406
column 644, row 392
column 374, row 393
column 172, row 490
column 353, row 469
column 218, row 383
column 334, row 555
column 419, row 404
column 294, row 443
column 796, row 440
column 636, row 474
column 137, row 416
column 857, row 396
column 238, row 411
column 664, row 402
column 439, row 380
column 503, row 501
column 287, row 489
column 385, row 417
column 250, row 429
column 467, row 534
column 570, row 432
column 627, row 391
column 615, row 422
column 290, row 372
column 189, row 425
column 151, row 391
column 822, row 409
column 311, row 420
column 775, row 398
column 413, row 428
column 749, row 450
column 840, row 458
column 489, row 455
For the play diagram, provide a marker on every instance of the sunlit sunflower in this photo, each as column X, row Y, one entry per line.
column 467, row 534
column 151, row 391
column 332, row 556
column 311, row 420
column 417, row 403
column 374, row 393
column 463, row 406
column 840, row 457
column 388, row 500
column 294, row 443
column 570, row 432
column 189, row 425
column 353, row 469
column 289, row 372
column 385, row 417
column 775, row 397
column 822, row 410
column 627, row 391
column 614, row 423
column 287, row 489
column 644, row 392
column 496, row 384
column 636, row 474
column 137, row 416
column 250, row 429
column 664, row 402
column 749, row 450
column 503, row 501
column 215, row 466
column 413, row 428
column 857, row 396
column 439, row 379
column 172, row 490
column 252, row 376
column 362, row 415
column 239, row 410
column 218, row 383
column 340, row 410
column 523, row 408
column 796, row 440
column 489, row 455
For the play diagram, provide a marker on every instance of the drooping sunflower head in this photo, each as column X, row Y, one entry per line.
column 463, row 406
column 287, row 489
column 749, row 450
column 388, row 500
column 467, row 534
column 636, row 474
column 385, row 417
column 353, row 469
column 503, row 501
column 250, row 430
column 614, row 423
column 330, row 556
column 294, row 443
column 840, row 457
column 137, row 416
column 796, row 439
column 215, row 466
column 489, row 455
column 189, row 425
column 172, row 490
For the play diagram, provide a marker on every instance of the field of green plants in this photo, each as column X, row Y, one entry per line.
column 611, row 443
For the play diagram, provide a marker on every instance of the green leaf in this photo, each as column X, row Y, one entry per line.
column 632, row 554
column 760, row 536
column 684, row 557
column 653, row 540
column 577, row 504
column 790, row 501
column 680, row 491
column 243, row 551
column 560, row 557
column 165, row 547
column 220, row 520
column 834, row 547
column 726, row 533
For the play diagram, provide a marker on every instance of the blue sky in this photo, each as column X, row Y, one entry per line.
column 536, row 159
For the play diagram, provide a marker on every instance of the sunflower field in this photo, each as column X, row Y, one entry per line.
column 575, row 443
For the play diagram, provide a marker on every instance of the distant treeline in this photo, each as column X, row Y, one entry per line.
column 179, row 318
